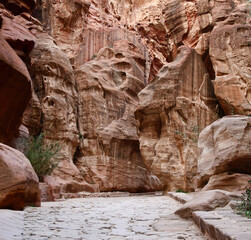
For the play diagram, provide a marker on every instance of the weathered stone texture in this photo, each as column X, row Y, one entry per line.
column 172, row 110
column 230, row 55
column 100, row 54
column 109, row 150
column 204, row 201
column 55, row 98
column 19, row 6
column 224, row 147
column 18, row 182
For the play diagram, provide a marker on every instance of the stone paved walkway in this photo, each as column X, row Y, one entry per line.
column 135, row 218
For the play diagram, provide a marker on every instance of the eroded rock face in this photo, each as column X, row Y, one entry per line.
column 172, row 110
column 165, row 25
column 109, row 151
column 230, row 55
column 19, row 185
column 55, row 111
column 19, row 6
column 224, row 146
column 116, row 48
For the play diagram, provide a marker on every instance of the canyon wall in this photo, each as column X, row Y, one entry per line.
column 19, row 186
column 125, row 87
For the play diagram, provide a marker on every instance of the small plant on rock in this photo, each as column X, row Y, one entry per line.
column 43, row 157
column 245, row 206
column 94, row 56
column 180, row 191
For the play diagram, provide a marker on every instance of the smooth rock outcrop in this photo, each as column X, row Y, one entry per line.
column 204, row 201
column 228, row 181
column 172, row 110
column 108, row 153
column 224, row 146
column 15, row 91
column 19, row 185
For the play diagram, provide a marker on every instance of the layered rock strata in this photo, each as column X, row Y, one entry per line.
column 100, row 55
column 109, row 148
column 230, row 54
column 172, row 110
column 101, row 118
column 53, row 107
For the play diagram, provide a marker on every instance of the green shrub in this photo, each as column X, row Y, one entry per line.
column 245, row 206
column 43, row 157
column 94, row 56
column 180, row 191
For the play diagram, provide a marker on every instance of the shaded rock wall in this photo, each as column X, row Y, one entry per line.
column 230, row 54
column 86, row 95
column 19, row 185
column 15, row 91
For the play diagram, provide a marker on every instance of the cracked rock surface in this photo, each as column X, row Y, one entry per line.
column 137, row 217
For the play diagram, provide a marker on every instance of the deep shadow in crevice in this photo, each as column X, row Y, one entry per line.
column 208, row 64
column 78, row 154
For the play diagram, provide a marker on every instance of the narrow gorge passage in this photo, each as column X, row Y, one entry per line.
column 135, row 217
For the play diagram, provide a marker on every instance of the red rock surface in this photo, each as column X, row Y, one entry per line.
column 19, row 6
column 224, row 147
column 172, row 110
column 15, row 91
column 92, row 58
column 230, row 55
column 109, row 147
column 19, row 185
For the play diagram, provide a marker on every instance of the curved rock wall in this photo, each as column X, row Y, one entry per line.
column 115, row 48
column 109, row 151
column 19, row 185
column 96, row 62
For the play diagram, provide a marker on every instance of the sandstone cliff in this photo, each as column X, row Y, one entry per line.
column 125, row 86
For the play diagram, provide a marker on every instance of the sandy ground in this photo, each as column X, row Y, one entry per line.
column 11, row 224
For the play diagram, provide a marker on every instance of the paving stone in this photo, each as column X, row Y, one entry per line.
column 102, row 218
column 223, row 225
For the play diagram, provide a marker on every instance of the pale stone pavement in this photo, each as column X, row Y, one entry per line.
column 134, row 217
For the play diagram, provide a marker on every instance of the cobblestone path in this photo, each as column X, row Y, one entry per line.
column 134, row 217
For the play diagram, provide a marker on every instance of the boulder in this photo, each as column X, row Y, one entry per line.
column 204, row 201
column 224, row 146
column 19, row 186
column 228, row 181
